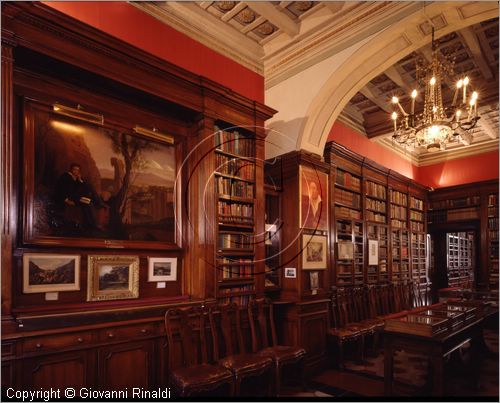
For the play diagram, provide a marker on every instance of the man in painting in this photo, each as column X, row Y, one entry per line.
column 312, row 206
column 72, row 191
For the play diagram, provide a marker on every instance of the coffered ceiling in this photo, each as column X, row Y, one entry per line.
column 279, row 39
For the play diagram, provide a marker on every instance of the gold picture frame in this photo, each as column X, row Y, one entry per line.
column 112, row 277
column 314, row 256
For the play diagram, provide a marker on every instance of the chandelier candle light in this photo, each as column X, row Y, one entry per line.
column 436, row 126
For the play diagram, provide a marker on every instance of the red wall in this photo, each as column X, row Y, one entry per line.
column 126, row 22
column 448, row 173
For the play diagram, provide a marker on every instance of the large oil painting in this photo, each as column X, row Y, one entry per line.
column 96, row 182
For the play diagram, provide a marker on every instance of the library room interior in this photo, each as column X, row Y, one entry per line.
column 249, row 200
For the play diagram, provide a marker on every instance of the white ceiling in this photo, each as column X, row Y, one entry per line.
column 281, row 39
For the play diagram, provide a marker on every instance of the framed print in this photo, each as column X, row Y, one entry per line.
column 345, row 250
column 372, row 252
column 50, row 272
column 162, row 268
column 314, row 280
column 313, row 193
column 93, row 185
column 290, row 272
column 314, row 252
column 112, row 277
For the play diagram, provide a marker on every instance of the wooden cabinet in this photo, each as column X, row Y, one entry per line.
column 73, row 369
column 127, row 365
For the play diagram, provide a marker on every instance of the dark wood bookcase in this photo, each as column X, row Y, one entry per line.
column 493, row 240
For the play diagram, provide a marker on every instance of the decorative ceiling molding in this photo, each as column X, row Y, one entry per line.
column 195, row 22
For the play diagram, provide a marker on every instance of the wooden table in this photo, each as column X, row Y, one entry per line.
column 436, row 348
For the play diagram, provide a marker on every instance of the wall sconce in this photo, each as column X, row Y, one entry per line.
column 79, row 113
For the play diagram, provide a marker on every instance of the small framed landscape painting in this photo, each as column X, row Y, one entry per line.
column 50, row 273
column 162, row 269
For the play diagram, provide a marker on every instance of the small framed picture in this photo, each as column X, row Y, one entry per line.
column 162, row 269
column 372, row 252
column 345, row 250
column 290, row 272
column 314, row 280
column 314, row 252
column 50, row 273
column 112, row 277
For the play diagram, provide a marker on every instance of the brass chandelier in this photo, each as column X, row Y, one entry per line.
column 436, row 125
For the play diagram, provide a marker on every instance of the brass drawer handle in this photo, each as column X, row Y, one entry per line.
column 79, row 340
column 39, row 345
column 144, row 331
column 111, row 335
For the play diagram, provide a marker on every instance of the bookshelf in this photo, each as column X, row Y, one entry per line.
column 235, row 185
column 375, row 202
column 378, row 273
column 400, row 259
column 272, row 241
column 460, row 258
column 349, row 254
column 418, row 258
column 493, row 241
column 399, row 209
column 454, row 209
column 347, row 195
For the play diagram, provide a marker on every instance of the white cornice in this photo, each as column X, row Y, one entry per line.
column 203, row 27
column 440, row 156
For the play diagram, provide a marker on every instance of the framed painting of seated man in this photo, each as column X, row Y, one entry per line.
column 91, row 184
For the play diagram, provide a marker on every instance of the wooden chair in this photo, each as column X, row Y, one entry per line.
column 265, row 343
column 186, row 334
column 228, row 337
column 345, row 329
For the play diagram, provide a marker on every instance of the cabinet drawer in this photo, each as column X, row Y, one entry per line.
column 54, row 342
column 128, row 332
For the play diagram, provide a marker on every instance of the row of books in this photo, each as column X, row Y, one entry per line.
column 234, row 143
column 377, row 217
column 453, row 203
column 415, row 215
column 231, row 187
column 235, row 209
column 493, row 211
column 418, row 238
column 346, row 179
column 398, row 212
column 231, row 290
column 397, row 238
column 347, row 212
column 235, row 167
column 348, row 198
column 396, row 223
column 344, row 226
column 416, row 203
column 377, row 205
column 493, row 222
column 398, row 197
column 493, row 234
column 492, row 200
column 417, row 226
column 230, row 272
column 463, row 214
column 234, row 241
column 375, row 190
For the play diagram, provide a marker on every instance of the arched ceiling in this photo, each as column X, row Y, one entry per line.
column 324, row 61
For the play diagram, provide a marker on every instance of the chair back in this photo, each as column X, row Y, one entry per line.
column 226, row 331
column 261, row 318
column 186, row 328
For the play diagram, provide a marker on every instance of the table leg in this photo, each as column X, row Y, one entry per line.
column 388, row 366
column 437, row 371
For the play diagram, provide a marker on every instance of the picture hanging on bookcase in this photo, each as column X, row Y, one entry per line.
column 314, row 252
column 345, row 250
column 314, row 280
column 372, row 252
column 313, row 198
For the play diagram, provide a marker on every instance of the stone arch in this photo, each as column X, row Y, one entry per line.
column 378, row 54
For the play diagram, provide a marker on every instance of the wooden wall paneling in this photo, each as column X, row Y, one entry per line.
column 6, row 179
